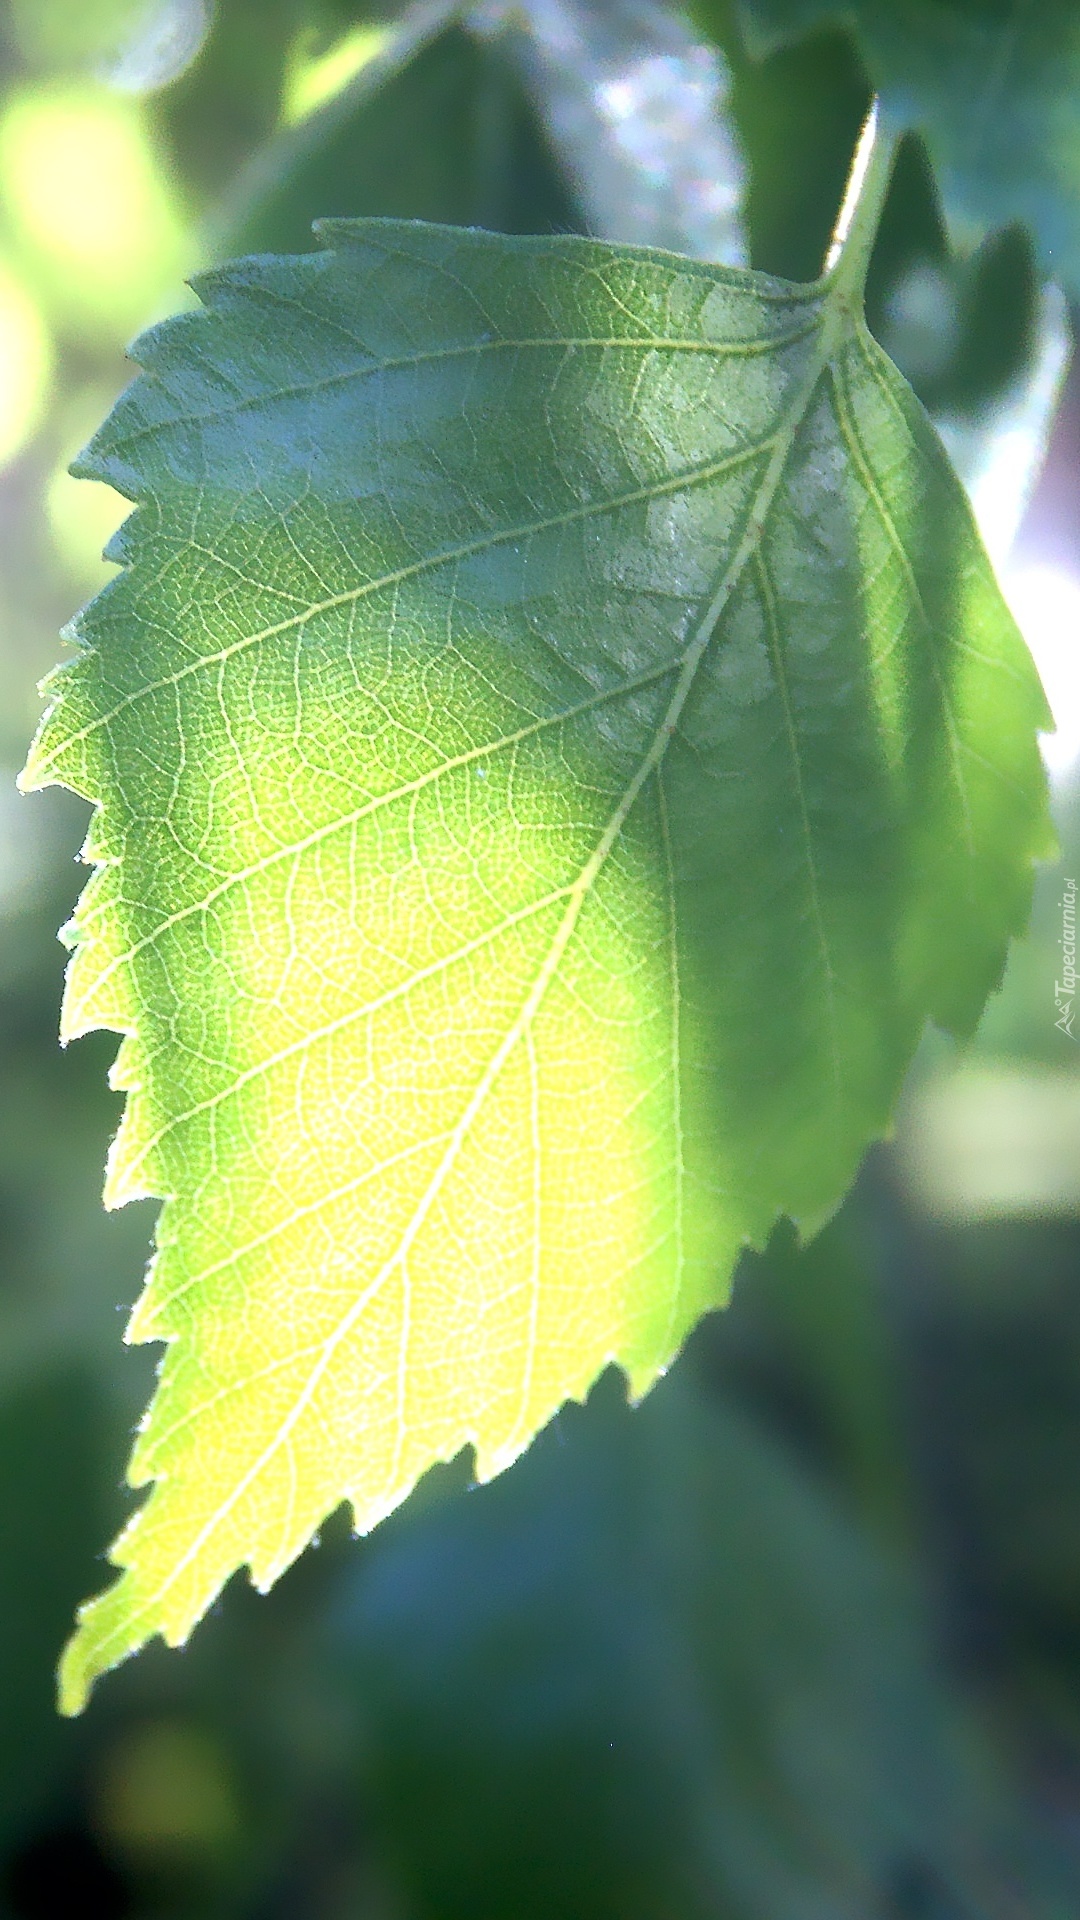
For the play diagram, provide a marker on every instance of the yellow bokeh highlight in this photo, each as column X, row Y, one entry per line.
column 26, row 365
column 89, row 207
column 83, row 515
column 166, row 1787
column 312, row 80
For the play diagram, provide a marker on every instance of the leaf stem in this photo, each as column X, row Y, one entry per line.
column 857, row 222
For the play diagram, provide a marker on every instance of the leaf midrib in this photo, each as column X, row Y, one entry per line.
column 304, row 390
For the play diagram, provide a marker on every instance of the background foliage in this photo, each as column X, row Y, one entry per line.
column 801, row 1636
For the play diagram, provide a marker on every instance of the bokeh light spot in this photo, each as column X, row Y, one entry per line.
column 26, row 365
column 1046, row 604
column 167, row 1785
column 313, row 80
column 83, row 516
column 89, row 205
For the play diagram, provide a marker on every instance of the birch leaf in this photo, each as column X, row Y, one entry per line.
column 555, row 741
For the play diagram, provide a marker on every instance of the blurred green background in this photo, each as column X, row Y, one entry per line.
column 799, row 1639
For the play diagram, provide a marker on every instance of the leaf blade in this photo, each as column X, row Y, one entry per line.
column 498, row 713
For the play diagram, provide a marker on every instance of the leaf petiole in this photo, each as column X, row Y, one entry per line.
column 857, row 222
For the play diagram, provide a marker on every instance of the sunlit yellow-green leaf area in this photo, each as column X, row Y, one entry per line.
column 556, row 739
column 26, row 364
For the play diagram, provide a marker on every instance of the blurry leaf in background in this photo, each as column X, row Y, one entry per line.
column 807, row 1342
column 219, row 114
column 69, row 33
column 798, row 115
column 91, row 213
column 656, row 1671
column 69, row 1266
column 963, row 325
column 26, row 364
column 55, row 1485
column 449, row 134
column 994, row 88
column 463, row 127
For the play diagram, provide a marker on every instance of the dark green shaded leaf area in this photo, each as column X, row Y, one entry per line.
column 657, row 1671
column 450, row 136
column 52, row 1507
column 556, row 742
column 229, row 101
column 799, row 110
column 994, row 88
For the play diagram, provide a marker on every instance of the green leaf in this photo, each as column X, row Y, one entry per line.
column 556, row 740
column 450, row 135
column 228, row 103
column 657, row 1671
column 994, row 88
